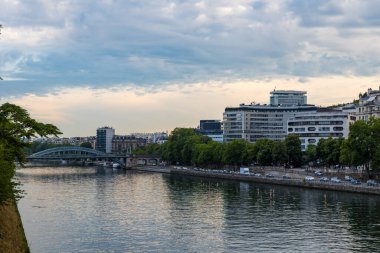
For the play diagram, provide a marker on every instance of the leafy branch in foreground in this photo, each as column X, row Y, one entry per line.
column 16, row 128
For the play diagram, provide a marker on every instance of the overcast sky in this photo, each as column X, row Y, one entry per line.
column 143, row 66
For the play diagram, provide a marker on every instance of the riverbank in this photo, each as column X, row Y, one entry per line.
column 12, row 235
column 274, row 179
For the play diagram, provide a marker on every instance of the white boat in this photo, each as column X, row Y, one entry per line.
column 115, row 166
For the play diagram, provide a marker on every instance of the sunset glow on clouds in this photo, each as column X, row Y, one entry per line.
column 154, row 65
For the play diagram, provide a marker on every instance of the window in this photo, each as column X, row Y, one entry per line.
column 311, row 129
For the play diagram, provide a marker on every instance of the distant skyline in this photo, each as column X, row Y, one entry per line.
column 147, row 66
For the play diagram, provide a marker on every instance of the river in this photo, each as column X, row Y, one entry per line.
column 76, row 209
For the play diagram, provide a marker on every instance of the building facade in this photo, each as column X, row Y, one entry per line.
column 125, row 144
column 312, row 127
column 288, row 98
column 212, row 129
column 254, row 121
column 104, row 136
column 369, row 105
column 158, row 137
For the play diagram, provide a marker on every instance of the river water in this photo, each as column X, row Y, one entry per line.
column 76, row 209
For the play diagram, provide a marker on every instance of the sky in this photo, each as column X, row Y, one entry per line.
column 148, row 66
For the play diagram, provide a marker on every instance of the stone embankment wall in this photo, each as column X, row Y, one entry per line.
column 12, row 236
column 278, row 181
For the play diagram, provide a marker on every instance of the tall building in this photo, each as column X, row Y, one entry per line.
column 104, row 136
column 312, row 127
column 255, row 121
column 369, row 105
column 212, row 129
column 288, row 97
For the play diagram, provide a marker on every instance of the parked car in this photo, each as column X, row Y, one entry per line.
column 355, row 181
column 257, row 175
column 372, row 183
column 309, row 178
column 318, row 173
column 286, row 176
column 348, row 178
column 269, row 175
column 335, row 180
column 323, row 179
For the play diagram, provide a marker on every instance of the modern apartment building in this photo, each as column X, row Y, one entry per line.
column 369, row 105
column 255, row 121
column 288, row 97
column 212, row 129
column 311, row 127
column 104, row 136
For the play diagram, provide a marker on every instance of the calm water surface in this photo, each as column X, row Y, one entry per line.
column 99, row 210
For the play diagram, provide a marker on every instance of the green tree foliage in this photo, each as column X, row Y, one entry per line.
column 208, row 154
column 310, row 155
column 363, row 144
column 86, row 145
column 16, row 126
column 234, row 152
column 293, row 149
column 37, row 146
column 180, row 146
column 250, row 154
column 263, row 151
column 279, row 154
column 149, row 149
column 329, row 151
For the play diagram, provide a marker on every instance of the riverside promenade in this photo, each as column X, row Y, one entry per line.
column 275, row 178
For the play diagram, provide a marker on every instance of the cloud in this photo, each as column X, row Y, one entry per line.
column 79, row 111
column 47, row 45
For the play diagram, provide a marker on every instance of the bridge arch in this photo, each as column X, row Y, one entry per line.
column 75, row 152
column 67, row 151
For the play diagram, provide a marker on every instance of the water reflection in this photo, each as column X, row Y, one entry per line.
column 97, row 210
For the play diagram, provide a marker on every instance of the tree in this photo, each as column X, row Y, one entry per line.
column 179, row 148
column 328, row 151
column 16, row 128
column 207, row 154
column 293, row 149
column 310, row 154
column 86, row 145
column 149, row 149
column 263, row 151
column 362, row 144
column 279, row 154
column 234, row 152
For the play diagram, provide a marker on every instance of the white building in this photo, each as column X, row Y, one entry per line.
column 157, row 137
column 254, row 121
column 369, row 105
column 288, row 97
column 311, row 127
